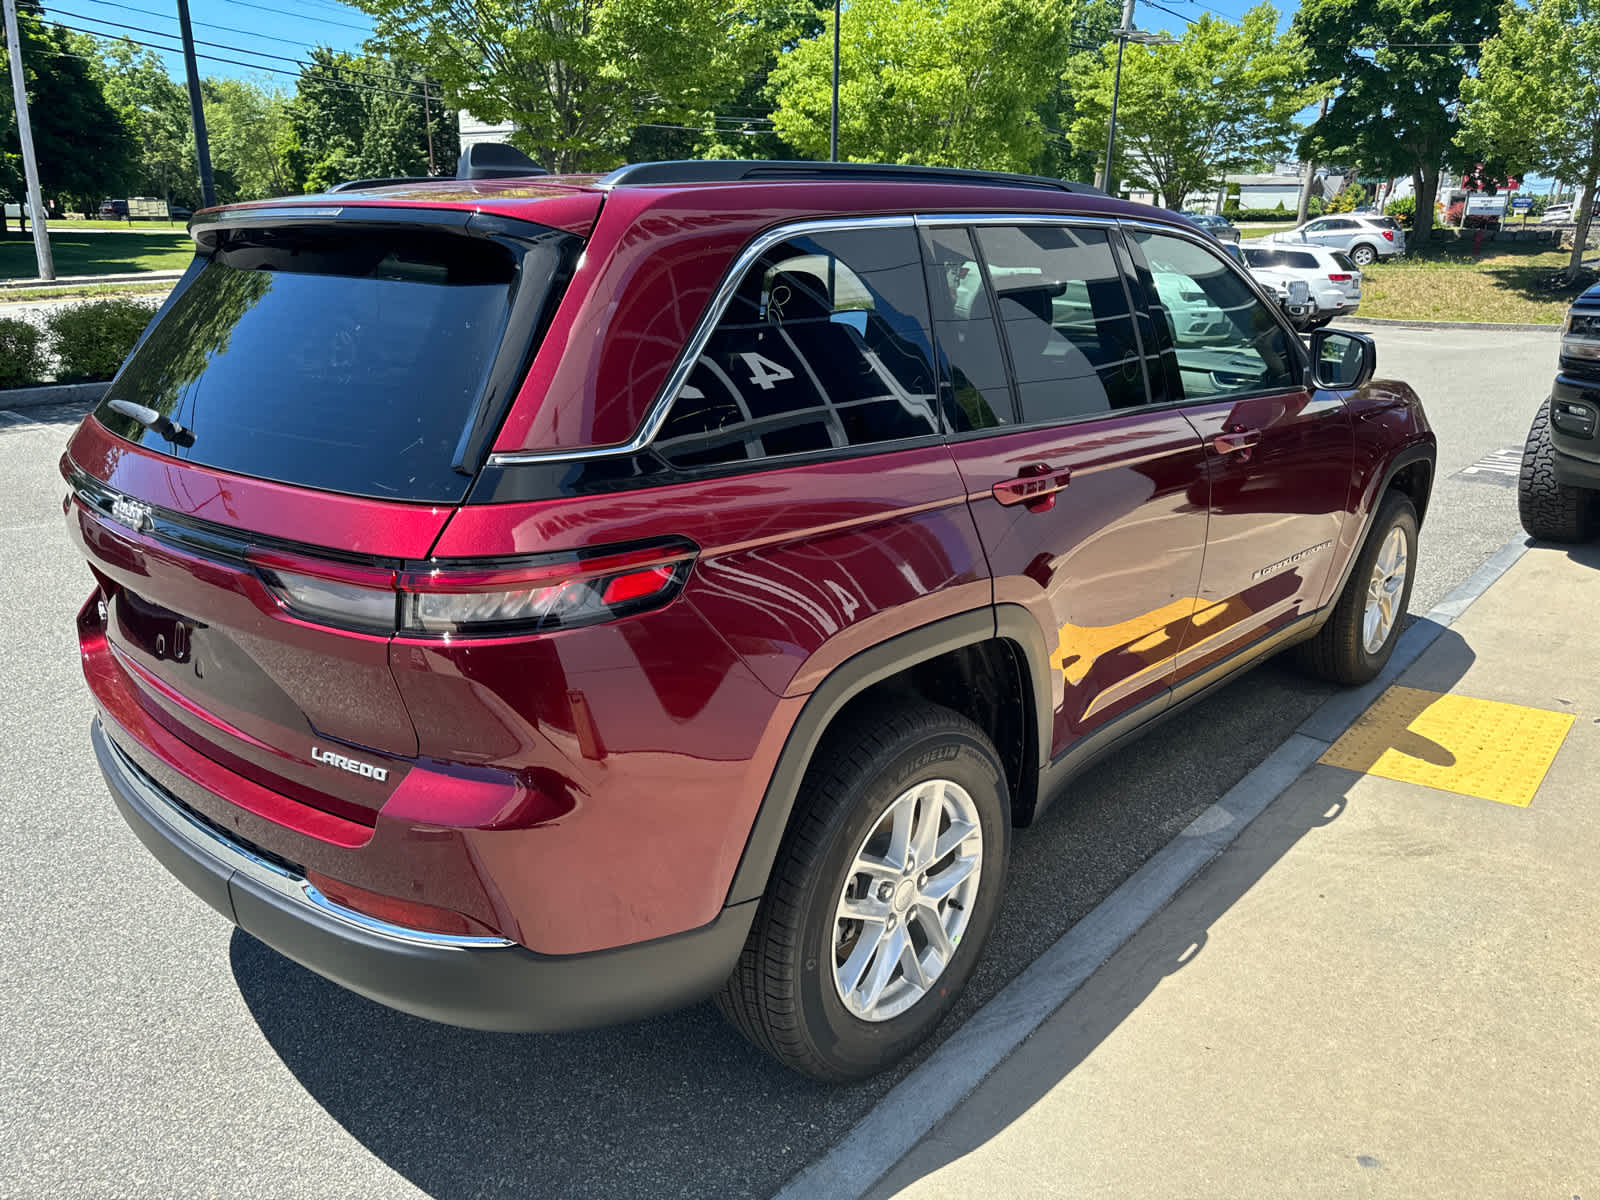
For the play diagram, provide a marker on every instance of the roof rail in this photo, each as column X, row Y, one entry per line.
column 361, row 185
column 755, row 170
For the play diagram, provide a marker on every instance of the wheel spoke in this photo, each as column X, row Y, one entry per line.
column 901, row 816
column 958, row 832
column 888, row 958
column 933, row 929
column 926, row 831
column 911, row 967
column 855, row 967
column 946, row 881
column 863, row 908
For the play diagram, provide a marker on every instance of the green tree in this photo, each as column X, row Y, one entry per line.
column 156, row 109
column 1536, row 98
column 1222, row 99
column 84, row 148
column 1398, row 65
column 578, row 76
column 1091, row 23
column 362, row 117
column 245, row 125
column 944, row 82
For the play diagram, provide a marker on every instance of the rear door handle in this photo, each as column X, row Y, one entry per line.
column 1035, row 487
column 1233, row 441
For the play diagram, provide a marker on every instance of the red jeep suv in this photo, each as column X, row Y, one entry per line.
column 537, row 602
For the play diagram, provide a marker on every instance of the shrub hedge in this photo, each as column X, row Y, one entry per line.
column 86, row 342
column 22, row 357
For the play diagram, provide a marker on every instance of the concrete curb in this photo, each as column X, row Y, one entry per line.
column 1394, row 324
column 60, row 393
column 78, row 281
column 933, row 1090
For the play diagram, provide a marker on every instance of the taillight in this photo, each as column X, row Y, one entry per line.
column 409, row 914
column 447, row 598
column 1340, row 278
column 1388, row 234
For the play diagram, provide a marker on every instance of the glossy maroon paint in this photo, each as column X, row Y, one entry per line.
column 1280, row 476
column 1110, row 571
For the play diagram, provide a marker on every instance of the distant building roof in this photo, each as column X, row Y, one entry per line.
column 1276, row 181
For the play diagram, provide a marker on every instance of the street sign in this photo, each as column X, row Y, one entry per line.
column 1521, row 204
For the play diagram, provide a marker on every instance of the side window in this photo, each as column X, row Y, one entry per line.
column 977, row 394
column 1299, row 261
column 824, row 345
column 1226, row 341
column 1067, row 320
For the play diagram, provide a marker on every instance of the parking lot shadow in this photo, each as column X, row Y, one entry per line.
column 1173, row 941
column 679, row 1105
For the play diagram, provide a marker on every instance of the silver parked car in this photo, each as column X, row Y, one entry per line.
column 1332, row 276
column 1365, row 237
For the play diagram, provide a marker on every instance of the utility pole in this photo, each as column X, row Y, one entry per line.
column 1124, row 34
column 1308, row 172
column 833, row 128
column 197, row 112
column 19, row 89
column 427, row 123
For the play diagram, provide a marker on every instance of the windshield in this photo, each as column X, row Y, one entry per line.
column 350, row 361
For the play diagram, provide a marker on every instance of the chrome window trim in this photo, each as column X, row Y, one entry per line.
column 656, row 415
column 935, row 220
column 295, row 888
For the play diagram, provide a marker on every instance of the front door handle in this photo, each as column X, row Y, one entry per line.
column 1035, row 487
column 1235, row 441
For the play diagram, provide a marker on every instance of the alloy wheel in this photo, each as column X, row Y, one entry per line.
column 1384, row 590
column 907, row 900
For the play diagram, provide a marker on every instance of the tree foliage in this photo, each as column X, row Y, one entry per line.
column 1398, row 65
column 577, row 76
column 943, row 82
column 83, row 146
column 156, row 110
column 1536, row 98
column 1222, row 99
column 246, row 124
column 362, row 117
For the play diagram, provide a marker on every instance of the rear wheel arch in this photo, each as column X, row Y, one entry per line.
column 989, row 665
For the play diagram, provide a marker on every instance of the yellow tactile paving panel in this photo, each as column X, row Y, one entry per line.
column 1458, row 744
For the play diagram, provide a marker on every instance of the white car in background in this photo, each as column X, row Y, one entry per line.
column 1365, row 237
column 1332, row 276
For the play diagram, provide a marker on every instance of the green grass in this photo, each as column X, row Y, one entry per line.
column 1512, row 282
column 95, row 291
column 70, row 223
column 97, row 254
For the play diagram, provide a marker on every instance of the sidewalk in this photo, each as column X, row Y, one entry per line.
column 1381, row 988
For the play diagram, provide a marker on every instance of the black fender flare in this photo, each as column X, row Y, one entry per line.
column 1009, row 622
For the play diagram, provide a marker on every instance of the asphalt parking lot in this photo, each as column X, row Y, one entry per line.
column 148, row 1049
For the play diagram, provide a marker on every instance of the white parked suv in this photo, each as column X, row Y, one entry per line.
column 1332, row 276
column 1365, row 237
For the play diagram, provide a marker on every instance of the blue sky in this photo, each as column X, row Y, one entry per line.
column 262, row 37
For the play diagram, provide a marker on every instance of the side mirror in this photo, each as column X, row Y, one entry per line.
column 1341, row 360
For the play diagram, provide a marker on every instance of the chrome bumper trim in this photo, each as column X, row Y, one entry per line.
column 296, row 888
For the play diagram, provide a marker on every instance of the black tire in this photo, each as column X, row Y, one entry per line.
column 1550, row 511
column 1319, row 322
column 782, row 995
column 1363, row 255
column 1338, row 652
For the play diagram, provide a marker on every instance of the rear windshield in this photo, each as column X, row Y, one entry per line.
column 350, row 361
column 1344, row 260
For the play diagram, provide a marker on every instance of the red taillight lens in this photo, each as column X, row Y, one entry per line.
column 1340, row 278
column 1389, row 234
column 479, row 598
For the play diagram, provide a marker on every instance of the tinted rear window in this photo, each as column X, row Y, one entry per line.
column 1344, row 261
column 346, row 361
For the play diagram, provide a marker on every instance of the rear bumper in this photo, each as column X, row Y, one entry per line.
column 476, row 982
column 1576, row 459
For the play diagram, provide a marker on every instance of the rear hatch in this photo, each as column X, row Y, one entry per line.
column 300, row 422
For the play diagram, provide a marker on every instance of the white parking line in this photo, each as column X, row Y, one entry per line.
column 931, row 1092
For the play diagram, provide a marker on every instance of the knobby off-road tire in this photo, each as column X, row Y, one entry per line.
column 784, row 995
column 1340, row 651
column 1550, row 511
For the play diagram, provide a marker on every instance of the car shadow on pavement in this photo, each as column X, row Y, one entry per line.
column 1174, row 940
column 680, row 1105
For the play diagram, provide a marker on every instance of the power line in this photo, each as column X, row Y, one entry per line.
column 250, row 33
column 278, row 13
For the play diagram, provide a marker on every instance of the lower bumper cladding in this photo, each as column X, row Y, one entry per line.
column 473, row 981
